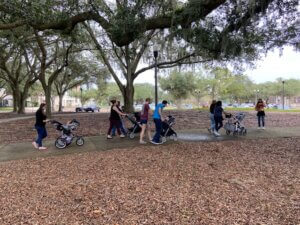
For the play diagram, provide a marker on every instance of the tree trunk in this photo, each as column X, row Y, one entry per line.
column 47, row 91
column 61, row 96
column 21, row 103
column 128, row 96
column 15, row 100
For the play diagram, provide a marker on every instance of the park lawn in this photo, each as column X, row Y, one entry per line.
column 6, row 109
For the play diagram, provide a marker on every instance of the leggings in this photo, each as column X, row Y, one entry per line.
column 218, row 123
column 114, row 123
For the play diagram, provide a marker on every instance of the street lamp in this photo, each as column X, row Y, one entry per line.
column 155, row 54
column 81, row 96
column 256, row 95
column 283, row 94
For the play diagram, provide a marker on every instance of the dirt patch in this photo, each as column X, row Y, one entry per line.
column 233, row 182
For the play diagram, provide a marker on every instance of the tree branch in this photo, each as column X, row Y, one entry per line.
column 103, row 56
column 163, row 63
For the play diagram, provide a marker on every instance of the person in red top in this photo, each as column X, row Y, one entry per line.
column 260, row 108
column 144, row 121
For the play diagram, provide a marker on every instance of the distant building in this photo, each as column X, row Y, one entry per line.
column 5, row 100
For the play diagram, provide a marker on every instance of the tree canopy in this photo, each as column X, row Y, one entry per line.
column 124, row 32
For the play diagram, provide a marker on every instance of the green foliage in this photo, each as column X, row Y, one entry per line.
column 143, row 91
column 179, row 85
column 85, row 95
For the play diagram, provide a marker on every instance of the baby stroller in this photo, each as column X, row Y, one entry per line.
column 234, row 124
column 66, row 134
column 136, row 128
column 167, row 130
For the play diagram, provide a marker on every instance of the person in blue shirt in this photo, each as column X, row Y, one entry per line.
column 158, row 118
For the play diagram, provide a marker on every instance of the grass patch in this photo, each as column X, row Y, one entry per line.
column 6, row 109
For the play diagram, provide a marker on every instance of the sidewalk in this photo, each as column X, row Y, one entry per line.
column 99, row 143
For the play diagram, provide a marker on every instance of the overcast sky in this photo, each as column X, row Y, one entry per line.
column 274, row 66
column 269, row 68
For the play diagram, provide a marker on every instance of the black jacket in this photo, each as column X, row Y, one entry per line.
column 39, row 118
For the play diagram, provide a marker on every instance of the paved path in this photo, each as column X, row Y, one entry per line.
column 99, row 143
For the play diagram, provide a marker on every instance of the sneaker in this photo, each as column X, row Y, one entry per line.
column 263, row 128
column 122, row 136
column 42, row 148
column 156, row 143
column 35, row 145
column 143, row 142
column 109, row 137
column 217, row 134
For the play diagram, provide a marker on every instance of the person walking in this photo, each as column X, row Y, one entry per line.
column 158, row 118
column 115, row 119
column 122, row 127
column 40, row 122
column 260, row 108
column 144, row 121
column 211, row 116
column 218, row 117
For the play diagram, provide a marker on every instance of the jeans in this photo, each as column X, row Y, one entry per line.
column 212, row 121
column 218, row 123
column 158, row 127
column 261, row 120
column 42, row 133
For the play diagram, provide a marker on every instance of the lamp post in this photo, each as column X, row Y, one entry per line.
column 81, row 96
column 256, row 96
column 283, row 94
column 155, row 54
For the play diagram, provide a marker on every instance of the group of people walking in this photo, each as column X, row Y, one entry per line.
column 217, row 112
column 116, row 115
column 116, row 123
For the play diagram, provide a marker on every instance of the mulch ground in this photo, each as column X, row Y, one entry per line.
column 232, row 182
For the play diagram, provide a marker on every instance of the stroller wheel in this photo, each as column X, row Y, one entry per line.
column 228, row 132
column 175, row 138
column 235, row 133
column 244, row 132
column 79, row 141
column 131, row 135
column 60, row 143
column 163, row 139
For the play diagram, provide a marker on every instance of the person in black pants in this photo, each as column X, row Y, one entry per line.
column 115, row 119
column 41, row 120
column 218, row 116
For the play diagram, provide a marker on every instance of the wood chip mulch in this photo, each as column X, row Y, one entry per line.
column 232, row 182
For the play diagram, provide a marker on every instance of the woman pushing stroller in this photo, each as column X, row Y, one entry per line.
column 115, row 119
column 218, row 117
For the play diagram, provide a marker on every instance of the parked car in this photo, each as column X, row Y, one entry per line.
column 187, row 106
column 90, row 108
column 247, row 105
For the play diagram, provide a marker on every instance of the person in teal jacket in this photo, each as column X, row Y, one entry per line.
column 158, row 118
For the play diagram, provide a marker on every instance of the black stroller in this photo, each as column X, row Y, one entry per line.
column 136, row 128
column 167, row 130
column 67, row 135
